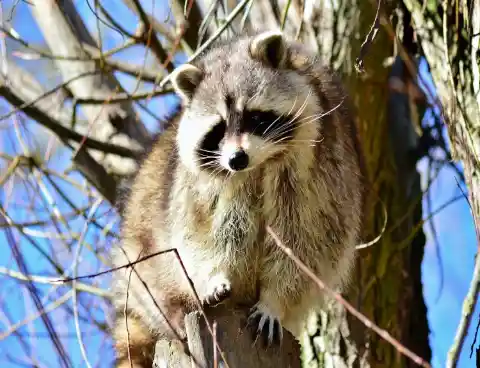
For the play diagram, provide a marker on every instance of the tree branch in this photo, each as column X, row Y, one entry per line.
column 151, row 39
column 65, row 33
column 21, row 87
column 233, row 337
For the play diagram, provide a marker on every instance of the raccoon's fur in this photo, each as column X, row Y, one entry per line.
column 264, row 137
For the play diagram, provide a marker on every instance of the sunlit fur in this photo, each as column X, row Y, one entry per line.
column 307, row 188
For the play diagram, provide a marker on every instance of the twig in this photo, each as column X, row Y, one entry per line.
column 467, row 313
column 48, row 93
column 46, row 54
column 467, row 309
column 215, row 362
column 113, row 269
column 212, row 39
column 368, row 323
column 52, row 280
column 38, row 304
column 76, row 261
column 60, row 130
column 142, row 259
column 151, row 38
column 52, row 306
column 231, row 17
column 379, row 236
column 368, row 40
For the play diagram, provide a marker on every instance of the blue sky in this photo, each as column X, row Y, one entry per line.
column 454, row 228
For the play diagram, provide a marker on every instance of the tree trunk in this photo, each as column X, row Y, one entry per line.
column 234, row 340
column 387, row 284
column 452, row 49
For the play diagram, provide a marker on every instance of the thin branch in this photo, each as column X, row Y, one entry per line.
column 467, row 308
column 53, row 280
column 142, row 259
column 48, row 55
column 151, row 39
column 158, row 26
column 59, row 129
column 238, row 9
column 64, row 30
column 368, row 323
column 49, row 308
column 76, row 261
column 34, row 294
column 465, row 320
column 368, row 40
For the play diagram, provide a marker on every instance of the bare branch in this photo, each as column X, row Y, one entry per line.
column 150, row 38
column 65, row 32
column 14, row 89
column 369, row 324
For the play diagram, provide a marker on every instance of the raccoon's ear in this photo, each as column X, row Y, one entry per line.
column 269, row 47
column 185, row 80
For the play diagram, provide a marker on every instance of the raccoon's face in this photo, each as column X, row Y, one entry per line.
column 243, row 107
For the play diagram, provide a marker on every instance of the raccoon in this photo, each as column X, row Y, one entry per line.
column 264, row 136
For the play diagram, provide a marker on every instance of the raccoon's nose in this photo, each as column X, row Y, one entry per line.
column 238, row 161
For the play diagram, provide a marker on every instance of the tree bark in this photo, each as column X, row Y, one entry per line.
column 451, row 48
column 449, row 35
column 234, row 340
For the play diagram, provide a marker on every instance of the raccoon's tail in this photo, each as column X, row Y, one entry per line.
column 134, row 342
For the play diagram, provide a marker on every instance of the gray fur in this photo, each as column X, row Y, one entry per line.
column 309, row 191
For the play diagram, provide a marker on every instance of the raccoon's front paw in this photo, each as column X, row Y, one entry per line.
column 267, row 324
column 218, row 290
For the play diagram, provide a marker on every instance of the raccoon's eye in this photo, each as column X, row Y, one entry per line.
column 261, row 122
column 212, row 139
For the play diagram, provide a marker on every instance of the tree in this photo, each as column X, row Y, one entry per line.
column 451, row 47
column 98, row 114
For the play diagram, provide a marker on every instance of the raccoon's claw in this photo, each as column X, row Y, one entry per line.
column 268, row 326
column 219, row 290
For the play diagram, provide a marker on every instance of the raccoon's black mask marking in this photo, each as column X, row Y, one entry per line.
column 208, row 150
column 265, row 124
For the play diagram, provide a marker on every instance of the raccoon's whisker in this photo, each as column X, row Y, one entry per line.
column 229, row 175
column 201, row 159
column 282, row 131
column 266, row 130
column 288, row 129
column 282, row 139
column 324, row 113
column 281, row 116
column 300, row 110
column 254, row 95
column 208, row 151
column 215, row 173
column 311, row 119
column 302, row 143
column 208, row 156
column 271, row 143
column 207, row 164
column 306, row 140
column 293, row 119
